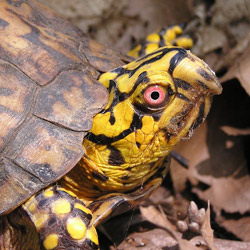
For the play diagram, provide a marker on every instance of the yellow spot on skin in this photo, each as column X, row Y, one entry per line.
column 104, row 78
column 151, row 47
column 149, row 138
column 143, row 147
column 92, row 235
column 61, row 206
column 177, row 29
column 48, row 193
column 139, row 136
column 76, row 228
column 51, row 241
column 32, row 207
column 135, row 149
column 156, row 128
column 111, row 98
column 131, row 138
column 153, row 38
column 40, row 220
column 184, row 42
column 83, row 208
column 147, row 125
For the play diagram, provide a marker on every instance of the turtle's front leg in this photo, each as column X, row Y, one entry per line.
column 62, row 220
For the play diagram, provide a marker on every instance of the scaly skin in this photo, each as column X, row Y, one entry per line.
column 168, row 36
column 125, row 148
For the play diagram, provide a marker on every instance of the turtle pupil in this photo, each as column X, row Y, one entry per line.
column 155, row 95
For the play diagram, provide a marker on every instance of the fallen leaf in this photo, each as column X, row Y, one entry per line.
column 240, row 227
column 156, row 217
column 229, row 194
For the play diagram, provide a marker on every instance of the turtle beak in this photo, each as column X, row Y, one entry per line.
column 196, row 72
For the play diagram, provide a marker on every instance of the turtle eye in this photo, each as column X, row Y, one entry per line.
column 155, row 96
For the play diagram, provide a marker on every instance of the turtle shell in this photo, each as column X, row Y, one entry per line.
column 49, row 94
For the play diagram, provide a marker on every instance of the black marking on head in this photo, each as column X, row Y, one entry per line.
column 3, row 24
column 182, row 84
column 156, row 116
column 205, row 74
column 175, row 60
column 183, row 97
column 99, row 176
column 200, row 117
column 125, row 177
column 102, row 139
column 162, row 52
column 119, row 97
column 112, row 118
column 170, row 91
column 203, row 85
column 128, row 168
column 115, row 157
column 112, row 84
column 142, row 78
column 138, row 144
column 162, row 41
column 94, row 187
column 143, row 48
column 162, row 34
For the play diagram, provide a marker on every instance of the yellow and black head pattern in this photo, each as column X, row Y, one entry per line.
column 154, row 102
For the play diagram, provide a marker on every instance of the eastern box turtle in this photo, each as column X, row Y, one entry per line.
column 61, row 175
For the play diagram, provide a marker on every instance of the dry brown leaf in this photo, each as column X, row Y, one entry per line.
column 231, row 131
column 240, row 227
column 206, row 230
column 156, row 217
column 159, row 239
column 229, row 194
column 224, row 244
column 159, row 218
column 156, row 239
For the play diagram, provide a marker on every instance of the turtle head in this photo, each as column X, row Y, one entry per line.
column 154, row 102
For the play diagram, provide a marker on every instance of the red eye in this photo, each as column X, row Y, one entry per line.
column 154, row 95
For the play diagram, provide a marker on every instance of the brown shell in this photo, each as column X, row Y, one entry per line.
column 48, row 96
